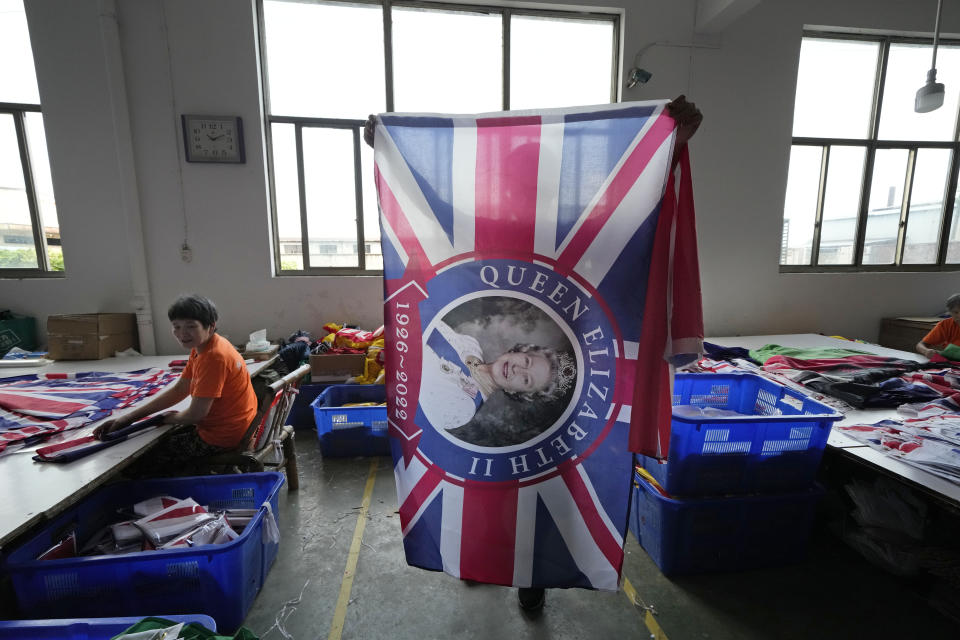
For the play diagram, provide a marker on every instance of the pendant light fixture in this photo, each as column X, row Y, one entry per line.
column 930, row 95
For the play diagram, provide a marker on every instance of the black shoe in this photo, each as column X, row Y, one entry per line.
column 531, row 599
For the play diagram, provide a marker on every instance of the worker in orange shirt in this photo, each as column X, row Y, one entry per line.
column 222, row 400
column 945, row 333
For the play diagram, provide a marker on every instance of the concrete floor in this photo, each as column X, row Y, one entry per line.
column 834, row 594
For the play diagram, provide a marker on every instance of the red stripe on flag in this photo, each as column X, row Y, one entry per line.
column 69, row 444
column 650, row 415
column 614, row 194
column 24, row 403
column 394, row 214
column 608, row 545
column 488, row 534
column 423, row 489
column 176, row 513
column 508, row 158
column 625, row 381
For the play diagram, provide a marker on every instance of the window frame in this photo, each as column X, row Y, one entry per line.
column 300, row 122
column 19, row 111
column 871, row 145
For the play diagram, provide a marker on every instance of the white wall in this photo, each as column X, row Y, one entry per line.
column 741, row 153
column 182, row 56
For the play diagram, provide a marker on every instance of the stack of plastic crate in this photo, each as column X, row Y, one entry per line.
column 737, row 490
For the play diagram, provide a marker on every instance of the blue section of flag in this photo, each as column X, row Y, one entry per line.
column 552, row 563
column 611, row 472
column 392, row 264
column 592, row 146
column 423, row 541
column 428, row 152
column 633, row 260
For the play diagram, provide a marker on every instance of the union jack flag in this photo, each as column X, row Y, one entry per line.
column 557, row 217
column 35, row 406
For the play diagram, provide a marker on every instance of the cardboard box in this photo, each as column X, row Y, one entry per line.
column 90, row 336
column 260, row 355
column 336, row 366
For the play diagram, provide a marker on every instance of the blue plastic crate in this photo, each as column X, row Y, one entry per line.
column 301, row 413
column 83, row 628
column 352, row 431
column 705, row 535
column 776, row 447
column 216, row 580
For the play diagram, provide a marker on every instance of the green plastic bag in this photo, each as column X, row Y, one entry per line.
column 952, row 352
column 17, row 331
column 192, row 631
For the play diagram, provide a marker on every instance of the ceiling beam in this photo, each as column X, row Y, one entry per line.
column 713, row 16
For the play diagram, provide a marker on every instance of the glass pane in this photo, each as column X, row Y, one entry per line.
column 906, row 72
column 557, row 62
column 371, row 213
column 841, row 202
column 324, row 60
column 43, row 186
column 447, row 61
column 18, row 77
column 886, row 201
column 926, row 206
column 800, row 204
column 953, row 241
column 287, row 195
column 17, row 250
column 331, row 197
column 831, row 68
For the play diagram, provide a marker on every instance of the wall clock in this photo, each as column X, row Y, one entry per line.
column 213, row 138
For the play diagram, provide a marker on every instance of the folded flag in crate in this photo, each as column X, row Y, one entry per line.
column 43, row 404
column 538, row 267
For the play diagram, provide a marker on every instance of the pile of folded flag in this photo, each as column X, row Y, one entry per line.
column 33, row 407
column 931, row 443
column 162, row 522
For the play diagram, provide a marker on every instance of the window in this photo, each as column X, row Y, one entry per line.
column 29, row 229
column 328, row 64
column 872, row 185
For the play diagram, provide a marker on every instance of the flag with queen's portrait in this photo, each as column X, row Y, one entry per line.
column 539, row 272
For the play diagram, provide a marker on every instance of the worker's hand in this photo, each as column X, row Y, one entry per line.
column 687, row 116
column 171, row 417
column 110, row 426
column 929, row 353
column 369, row 129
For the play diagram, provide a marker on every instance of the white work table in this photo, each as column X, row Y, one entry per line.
column 35, row 491
column 936, row 486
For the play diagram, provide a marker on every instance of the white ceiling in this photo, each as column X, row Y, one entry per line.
column 713, row 16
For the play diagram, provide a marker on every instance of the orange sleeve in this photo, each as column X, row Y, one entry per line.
column 208, row 376
column 188, row 372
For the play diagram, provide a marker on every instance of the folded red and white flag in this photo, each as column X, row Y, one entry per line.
column 152, row 505
column 216, row 531
column 66, row 548
column 170, row 522
column 124, row 532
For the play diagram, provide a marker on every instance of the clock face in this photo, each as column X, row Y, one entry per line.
column 213, row 139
